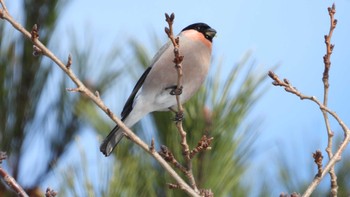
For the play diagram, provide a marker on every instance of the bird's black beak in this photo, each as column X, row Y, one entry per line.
column 210, row 32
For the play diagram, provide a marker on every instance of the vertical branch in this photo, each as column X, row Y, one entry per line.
column 177, row 92
column 325, row 79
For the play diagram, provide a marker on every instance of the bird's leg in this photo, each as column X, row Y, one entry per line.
column 179, row 115
column 172, row 109
column 175, row 90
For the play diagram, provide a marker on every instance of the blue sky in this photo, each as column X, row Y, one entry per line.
column 288, row 33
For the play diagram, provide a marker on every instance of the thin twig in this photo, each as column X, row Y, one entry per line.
column 203, row 144
column 97, row 100
column 325, row 79
column 289, row 88
column 178, row 60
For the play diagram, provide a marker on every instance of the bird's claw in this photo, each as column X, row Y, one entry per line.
column 179, row 116
column 175, row 90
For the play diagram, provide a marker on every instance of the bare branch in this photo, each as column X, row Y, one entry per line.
column 325, row 79
column 179, row 115
column 289, row 88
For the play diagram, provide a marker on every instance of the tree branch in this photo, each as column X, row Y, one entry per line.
column 337, row 156
column 4, row 14
column 325, row 79
column 179, row 114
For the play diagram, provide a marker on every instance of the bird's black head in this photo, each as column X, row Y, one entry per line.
column 205, row 29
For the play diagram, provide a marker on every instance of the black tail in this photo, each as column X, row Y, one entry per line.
column 111, row 141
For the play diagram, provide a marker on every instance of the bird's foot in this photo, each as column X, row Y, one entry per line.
column 175, row 90
column 179, row 116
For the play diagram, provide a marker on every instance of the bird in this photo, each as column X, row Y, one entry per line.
column 153, row 91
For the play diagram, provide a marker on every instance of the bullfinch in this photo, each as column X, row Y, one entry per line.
column 152, row 91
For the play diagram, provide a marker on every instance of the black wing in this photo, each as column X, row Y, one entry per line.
column 128, row 105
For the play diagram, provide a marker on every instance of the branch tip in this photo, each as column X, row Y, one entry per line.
column 169, row 19
column 331, row 10
column 172, row 16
